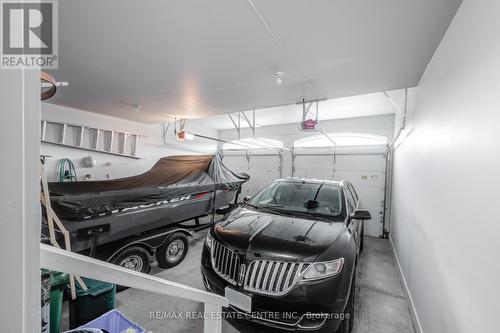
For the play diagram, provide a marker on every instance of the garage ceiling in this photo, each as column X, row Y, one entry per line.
column 337, row 108
column 196, row 58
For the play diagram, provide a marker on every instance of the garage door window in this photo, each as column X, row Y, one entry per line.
column 253, row 143
column 340, row 139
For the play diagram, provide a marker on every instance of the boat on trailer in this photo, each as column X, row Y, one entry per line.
column 176, row 189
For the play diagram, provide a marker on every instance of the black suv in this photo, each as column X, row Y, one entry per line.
column 287, row 257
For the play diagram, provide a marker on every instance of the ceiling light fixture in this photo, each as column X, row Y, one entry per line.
column 279, row 77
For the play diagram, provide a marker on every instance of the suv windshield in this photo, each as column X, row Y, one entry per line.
column 302, row 198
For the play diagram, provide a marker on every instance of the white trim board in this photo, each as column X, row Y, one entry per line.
column 414, row 314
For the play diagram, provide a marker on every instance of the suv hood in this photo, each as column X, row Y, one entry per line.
column 276, row 237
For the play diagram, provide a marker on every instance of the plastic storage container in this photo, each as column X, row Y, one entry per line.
column 89, row 304
column 45, row 301
column 59, row 283
column 114, row 322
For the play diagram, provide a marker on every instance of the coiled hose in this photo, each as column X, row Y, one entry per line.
column 67, row 171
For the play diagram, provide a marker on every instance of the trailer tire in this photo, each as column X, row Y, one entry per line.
column 135, row 258
column 173, row 251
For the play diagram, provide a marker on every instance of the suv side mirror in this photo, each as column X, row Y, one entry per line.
column 246, row 199
column 361, row 214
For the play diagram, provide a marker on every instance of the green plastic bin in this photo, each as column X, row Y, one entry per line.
column 59, row 284
column 89, row 304
column 45, row 280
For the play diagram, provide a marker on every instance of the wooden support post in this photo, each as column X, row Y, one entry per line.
column 46, row 197
column 51, row 218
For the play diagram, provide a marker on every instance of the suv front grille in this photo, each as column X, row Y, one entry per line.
column 273, row 277
column 225, row 262
column 266, row 277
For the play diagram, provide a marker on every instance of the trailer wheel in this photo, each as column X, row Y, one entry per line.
column 135, row 258
column 173, row 251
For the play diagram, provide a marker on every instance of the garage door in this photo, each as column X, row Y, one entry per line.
column 365, row 170
column 262, row 169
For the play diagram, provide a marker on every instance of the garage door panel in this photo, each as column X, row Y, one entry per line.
column 373, row 179
column 236, row 163
column 370, row 193
column 361, row 163
column 363, row 178
column 258, row 180
column 314, row 173
column 261, row 169
column 365, row 172
column 264, row 162
column 373, row 163
column 304, row 162
column 373, row 226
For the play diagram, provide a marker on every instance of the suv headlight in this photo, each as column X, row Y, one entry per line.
column 320, row 270
column 209, row 240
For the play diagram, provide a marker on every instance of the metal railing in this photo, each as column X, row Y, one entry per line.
column 68, row 262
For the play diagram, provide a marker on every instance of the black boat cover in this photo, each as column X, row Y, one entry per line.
column 169, row 179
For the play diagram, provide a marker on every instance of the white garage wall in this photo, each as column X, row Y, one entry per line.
column 150, row 148
column 445, row 190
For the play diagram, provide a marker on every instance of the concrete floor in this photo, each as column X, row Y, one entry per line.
column 381, row 303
